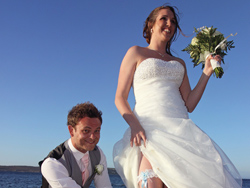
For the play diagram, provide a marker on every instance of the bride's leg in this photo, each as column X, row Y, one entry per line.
column 147, row 178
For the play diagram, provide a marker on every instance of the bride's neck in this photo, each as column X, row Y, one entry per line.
column 158, row 47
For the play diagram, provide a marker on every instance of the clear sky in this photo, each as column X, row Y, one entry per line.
column 55, row 54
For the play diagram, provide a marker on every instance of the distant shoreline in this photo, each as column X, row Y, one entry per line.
column 20, row 168
column 34, row 169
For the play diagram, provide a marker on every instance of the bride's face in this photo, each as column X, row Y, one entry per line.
column 164, row 26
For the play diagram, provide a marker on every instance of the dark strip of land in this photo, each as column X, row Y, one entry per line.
column 20, row 168
column 34, row 169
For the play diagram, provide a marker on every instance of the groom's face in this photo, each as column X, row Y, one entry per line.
column 86, row 134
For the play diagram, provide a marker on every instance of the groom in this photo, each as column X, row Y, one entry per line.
column 78, row 161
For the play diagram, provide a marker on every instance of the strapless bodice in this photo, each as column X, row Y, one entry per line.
column 156, row 88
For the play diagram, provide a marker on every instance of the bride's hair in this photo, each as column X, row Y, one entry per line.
column 150, row 21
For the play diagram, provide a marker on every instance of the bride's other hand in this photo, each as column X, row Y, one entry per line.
column 208, row 70
column 137, row 134
column 217, row 58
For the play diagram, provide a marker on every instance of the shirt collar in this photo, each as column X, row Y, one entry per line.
column 77, row 154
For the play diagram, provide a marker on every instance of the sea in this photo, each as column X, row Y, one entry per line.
column 34, row 180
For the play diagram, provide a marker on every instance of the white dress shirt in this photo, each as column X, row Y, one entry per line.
column 58, row 177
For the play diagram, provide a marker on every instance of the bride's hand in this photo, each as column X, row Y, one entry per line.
column 137, row 134
column 208, row 70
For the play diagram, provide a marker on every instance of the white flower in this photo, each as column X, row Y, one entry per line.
column 99, row 169
column 194, row 41
column 209, row 28
column 204, row 55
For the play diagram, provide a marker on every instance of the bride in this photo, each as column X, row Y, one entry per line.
column 162, row 147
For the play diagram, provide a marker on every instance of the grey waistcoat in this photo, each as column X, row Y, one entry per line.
column 63, row 154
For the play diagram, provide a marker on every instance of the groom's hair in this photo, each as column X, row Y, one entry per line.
column 82, row 110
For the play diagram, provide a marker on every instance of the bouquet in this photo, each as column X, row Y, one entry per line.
column 209, row 41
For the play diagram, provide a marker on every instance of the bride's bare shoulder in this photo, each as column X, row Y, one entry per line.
column 136, row 50
column 135, row 53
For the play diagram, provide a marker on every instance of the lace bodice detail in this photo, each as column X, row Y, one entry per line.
column 156, row 88
column 153, row 67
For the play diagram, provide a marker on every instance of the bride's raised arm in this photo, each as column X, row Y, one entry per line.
column 192, row 97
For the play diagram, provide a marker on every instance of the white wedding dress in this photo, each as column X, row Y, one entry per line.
column 180, row 153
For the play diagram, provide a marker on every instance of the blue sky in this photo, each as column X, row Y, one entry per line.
column 55, row 54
